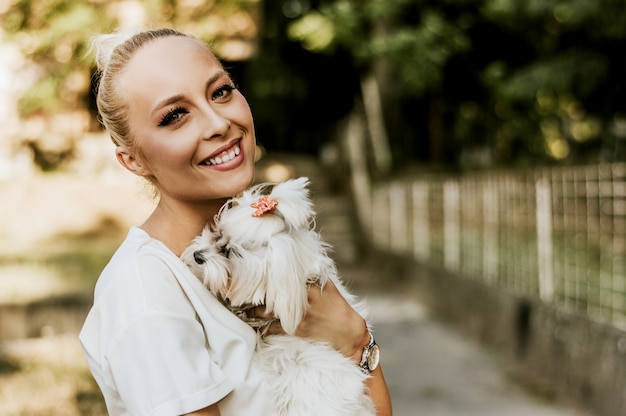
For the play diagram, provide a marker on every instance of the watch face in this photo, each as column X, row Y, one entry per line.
column 373, row 358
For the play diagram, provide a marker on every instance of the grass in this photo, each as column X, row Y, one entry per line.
column 47, row 376
column 58, row 233
column 70, row 266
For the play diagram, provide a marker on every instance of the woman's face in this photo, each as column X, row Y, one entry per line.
column 194, row 134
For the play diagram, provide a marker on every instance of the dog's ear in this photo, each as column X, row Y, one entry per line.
column 249, row 283
column 215, row 272
column 294, row 203
column 286, row 294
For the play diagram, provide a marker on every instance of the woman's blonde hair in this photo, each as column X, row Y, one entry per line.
column 112, row 54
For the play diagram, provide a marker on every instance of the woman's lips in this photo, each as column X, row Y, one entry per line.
column 223, row 156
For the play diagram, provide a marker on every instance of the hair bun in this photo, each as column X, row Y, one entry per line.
column 102, row 46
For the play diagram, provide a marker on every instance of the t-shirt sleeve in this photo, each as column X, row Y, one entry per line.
column 161, row 365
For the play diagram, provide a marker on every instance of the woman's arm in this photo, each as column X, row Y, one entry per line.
column 379, row 393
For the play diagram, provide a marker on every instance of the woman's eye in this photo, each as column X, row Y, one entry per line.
column 173, row 116
column 223, row 92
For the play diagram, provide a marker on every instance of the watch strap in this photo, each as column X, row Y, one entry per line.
column 370, row 356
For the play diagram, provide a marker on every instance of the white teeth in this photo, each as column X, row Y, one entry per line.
column 226, row 156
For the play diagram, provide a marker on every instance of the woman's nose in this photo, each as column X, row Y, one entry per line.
column 214, row 123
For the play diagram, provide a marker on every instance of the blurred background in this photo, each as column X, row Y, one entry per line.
column 474, row 148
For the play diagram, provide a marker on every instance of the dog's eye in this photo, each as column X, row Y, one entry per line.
column 231, row 252
column 223, row 250
column 198, row 257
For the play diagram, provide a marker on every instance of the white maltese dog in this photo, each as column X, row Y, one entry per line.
column 263, row 250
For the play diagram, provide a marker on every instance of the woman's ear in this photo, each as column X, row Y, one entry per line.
column 131, row 162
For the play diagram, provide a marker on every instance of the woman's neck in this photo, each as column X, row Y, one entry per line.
column 175, row 225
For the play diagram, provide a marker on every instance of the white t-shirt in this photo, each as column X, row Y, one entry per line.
column 158, row 343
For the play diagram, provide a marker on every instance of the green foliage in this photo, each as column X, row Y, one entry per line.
column 375, row 30
column 314, row 31
column 502, row 56
column 420, row 54
column 502, row 75
column 579, row 72
column 41, row 97
column 54, row 36
column 8, row 365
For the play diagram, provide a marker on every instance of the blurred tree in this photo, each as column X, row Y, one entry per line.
column 53, row 35
column 406, row 47
column 296, row 95
column 462, row 82
column 482, row 82
column 564, row 98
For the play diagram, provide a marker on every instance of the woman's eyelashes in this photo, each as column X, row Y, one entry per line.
column 223, row 92
column 173, row 116
column 176, row 114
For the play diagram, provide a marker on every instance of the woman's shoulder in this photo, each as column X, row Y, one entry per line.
column 138, row 248
column 141, row 272
column 140, row 281
column 137, row 241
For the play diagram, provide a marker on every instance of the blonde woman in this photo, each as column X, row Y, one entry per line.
column 156, row 341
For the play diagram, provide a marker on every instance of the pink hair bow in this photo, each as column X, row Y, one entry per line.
column 263, row 205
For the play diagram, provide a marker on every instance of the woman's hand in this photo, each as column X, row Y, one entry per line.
column 329, row 318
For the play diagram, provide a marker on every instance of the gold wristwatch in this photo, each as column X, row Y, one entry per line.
column 371, row 355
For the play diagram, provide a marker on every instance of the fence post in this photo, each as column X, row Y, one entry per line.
column 379, row 219
column 451, row 225
column 398, row 229
column 421, row 229
column 544, row 239
column 491, row 218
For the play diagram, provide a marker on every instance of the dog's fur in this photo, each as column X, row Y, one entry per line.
column 270, row 260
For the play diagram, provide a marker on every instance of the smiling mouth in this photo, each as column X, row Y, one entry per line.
column 223, row 157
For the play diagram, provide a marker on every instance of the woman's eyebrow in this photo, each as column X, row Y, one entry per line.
column 178, row 97
column 219, row 74
column 167, row 101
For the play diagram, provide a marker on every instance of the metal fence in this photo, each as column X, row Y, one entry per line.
column 556, row 234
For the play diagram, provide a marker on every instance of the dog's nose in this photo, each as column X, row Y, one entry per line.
column 198, row 257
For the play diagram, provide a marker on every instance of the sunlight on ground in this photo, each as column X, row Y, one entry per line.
column 53, row 226
column 22, row 283
column 56, row 235
column 47, row 376
column 39, row 208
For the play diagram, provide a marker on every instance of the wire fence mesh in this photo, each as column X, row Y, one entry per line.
column 555, row 234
